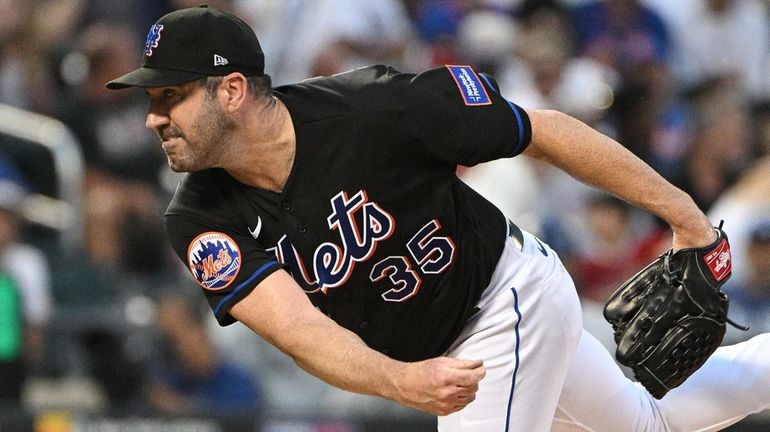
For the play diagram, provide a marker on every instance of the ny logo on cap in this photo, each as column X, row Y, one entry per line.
column 152, row 39
column 219, row 60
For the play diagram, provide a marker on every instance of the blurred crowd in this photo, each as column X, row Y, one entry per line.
column 112, row 320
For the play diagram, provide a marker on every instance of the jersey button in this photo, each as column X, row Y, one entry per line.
column 286, row 206
column 302, row 228
column 345, row 295
column 363, row 324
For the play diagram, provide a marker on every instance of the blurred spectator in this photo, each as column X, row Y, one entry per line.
column 633, row 40
column 191, row 378
column 654, row 122
column 124, row 160
column 308, row 38
column 720, row 38
column 109, row 127
column 549, row 74
column 618, row 247
column 61, row 21
column 487, row 40
column 25, row 81
column 623, row 34
column 721, row 148
column 24, row 284
column 750, row 299
column 13, row 22
column 437, row 23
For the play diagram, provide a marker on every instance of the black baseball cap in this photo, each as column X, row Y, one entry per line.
column 192, row 43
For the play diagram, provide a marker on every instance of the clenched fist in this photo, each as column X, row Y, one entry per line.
column 440, row 385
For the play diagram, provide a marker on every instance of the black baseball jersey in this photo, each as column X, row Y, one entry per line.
column 373, row 222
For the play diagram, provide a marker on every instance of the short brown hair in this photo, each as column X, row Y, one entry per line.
column 259, row 85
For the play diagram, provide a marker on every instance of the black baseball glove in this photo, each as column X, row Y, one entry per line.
column 670, row 317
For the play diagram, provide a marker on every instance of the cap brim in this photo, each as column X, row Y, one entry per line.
column 152, row 77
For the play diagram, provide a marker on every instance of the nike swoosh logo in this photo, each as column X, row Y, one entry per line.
column 540, row 247
column 255, row 232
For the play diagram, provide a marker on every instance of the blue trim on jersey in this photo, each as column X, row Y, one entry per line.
column 243, row 285
column 519, row 120
column 515, row 368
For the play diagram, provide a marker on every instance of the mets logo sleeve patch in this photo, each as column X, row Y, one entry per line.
column 214, row 260
column 226, row 264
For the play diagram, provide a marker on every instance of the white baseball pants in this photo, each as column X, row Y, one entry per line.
column 544, row 373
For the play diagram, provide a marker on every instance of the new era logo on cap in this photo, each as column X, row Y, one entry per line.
column 219, row 60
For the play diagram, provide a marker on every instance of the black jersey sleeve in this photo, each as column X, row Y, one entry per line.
column 226, row 264
column 461, row 117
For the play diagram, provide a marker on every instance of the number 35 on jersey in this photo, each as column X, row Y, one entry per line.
column 333, row 264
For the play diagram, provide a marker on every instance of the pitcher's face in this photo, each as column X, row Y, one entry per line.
column 190, row 124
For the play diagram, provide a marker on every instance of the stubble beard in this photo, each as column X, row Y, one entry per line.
column 205, row 141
